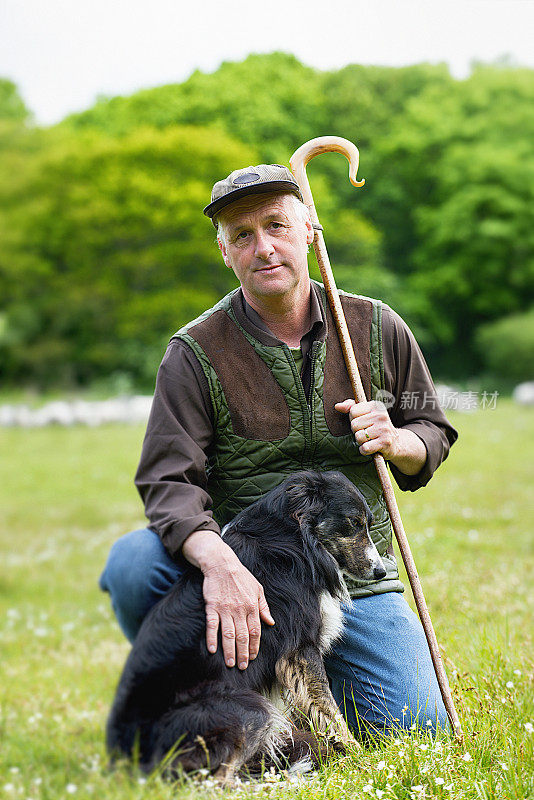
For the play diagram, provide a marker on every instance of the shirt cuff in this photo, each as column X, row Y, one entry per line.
column 175, row 535
column 437, row 449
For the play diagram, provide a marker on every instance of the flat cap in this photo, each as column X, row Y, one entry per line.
column 260, row 179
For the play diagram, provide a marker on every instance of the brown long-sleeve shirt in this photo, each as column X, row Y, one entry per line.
column 171, row 476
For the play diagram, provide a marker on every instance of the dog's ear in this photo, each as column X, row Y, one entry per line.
column 306, row 498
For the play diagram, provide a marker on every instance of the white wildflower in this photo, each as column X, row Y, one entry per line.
column 381, row 765
column 440, row 781
column 509, row 685
column 466, row 757
column 367, row 788
column 529, row 727
column 423, row 747
column 379, row 793
column 517, row 672
column 504, row 766
column 70, row 788
column 429, row 722
column 141, row 781
column 9, row 787
column 418, row 788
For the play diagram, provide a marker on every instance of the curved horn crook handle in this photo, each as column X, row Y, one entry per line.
column 322, row 144
column 298, row 162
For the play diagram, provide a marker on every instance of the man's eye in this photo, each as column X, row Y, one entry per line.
column 276, row 225
column 240, row 236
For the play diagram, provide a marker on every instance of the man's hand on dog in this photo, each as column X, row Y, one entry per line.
column 375, row 433
column 234, row 598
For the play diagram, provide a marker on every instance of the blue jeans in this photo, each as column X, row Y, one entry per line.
column 380, row 670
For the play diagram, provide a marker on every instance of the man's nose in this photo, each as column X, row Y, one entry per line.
column 264, row 245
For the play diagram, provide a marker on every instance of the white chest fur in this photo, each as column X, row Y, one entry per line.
column 331, row 621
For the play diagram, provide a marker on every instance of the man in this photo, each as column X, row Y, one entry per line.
column 253, row 390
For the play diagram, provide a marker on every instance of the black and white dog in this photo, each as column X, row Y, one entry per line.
column 173, row 693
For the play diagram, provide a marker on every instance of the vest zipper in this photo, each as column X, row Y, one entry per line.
column 306, row 409
column 307, row 406
column 313, row 359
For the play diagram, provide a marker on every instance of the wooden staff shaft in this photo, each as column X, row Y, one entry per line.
column 298, row 162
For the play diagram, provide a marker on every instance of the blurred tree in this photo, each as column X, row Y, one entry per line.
column 269, row 101
column 507, row 346
column 12, row 107
column 106, row 251
column 464, row 163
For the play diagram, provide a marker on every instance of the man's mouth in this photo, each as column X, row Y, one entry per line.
column 268, row 268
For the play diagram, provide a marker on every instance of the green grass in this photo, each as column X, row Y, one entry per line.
column 66, row 494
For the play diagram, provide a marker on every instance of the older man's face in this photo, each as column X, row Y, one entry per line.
column 265, row 241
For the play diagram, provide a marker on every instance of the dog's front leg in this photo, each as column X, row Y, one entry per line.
column 304, row 678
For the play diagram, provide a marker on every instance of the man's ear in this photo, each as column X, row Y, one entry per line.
column 222, row 248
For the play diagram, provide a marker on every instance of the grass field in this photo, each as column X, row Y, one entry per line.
column 66, row 494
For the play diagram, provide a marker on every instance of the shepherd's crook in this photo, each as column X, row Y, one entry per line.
column 298, row 162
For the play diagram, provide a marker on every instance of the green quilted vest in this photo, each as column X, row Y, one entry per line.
column 265, row 429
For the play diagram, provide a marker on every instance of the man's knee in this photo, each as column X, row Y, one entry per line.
column 381, row 671
column 137, row 574
column 129, row 562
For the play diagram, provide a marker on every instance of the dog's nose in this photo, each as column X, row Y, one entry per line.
column 379, row 572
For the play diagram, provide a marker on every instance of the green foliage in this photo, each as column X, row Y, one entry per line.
column 507, row 346
column 271, row 102
column 105, row 250
column 12, row 108
column 458, row 220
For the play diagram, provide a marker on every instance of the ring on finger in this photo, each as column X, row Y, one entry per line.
column 366, row 434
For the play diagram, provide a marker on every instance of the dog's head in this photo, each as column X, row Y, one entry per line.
column 330, row 510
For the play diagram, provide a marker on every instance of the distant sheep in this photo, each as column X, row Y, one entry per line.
column 77, row 412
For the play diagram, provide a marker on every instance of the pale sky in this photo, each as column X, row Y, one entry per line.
column 63, row 53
